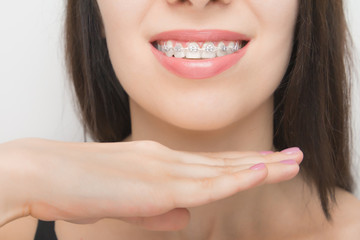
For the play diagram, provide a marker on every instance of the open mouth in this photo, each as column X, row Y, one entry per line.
column 198, row 50
column 199, row 54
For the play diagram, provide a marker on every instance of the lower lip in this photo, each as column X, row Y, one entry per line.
column 198, row 69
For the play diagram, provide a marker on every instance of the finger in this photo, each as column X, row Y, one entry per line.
column 215, row 158
column 281, row 171
column 287, row 154
column 194, row 192
column 233, row 158
column 227, row 154
column 181, row 170
column 173, row 220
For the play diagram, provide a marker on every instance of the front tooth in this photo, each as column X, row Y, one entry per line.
column 230, row 48
column 208, row 50
column 193, row 50
column 178, row 51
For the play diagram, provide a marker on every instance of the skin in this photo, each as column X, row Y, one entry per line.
column 228, row 112
column 183, row 186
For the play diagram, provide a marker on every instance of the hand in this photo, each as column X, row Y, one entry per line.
column 140, row 182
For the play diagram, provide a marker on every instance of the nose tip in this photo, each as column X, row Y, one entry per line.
column 199, row 4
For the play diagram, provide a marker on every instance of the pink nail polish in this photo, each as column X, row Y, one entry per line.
column 289, row 161
column 292, row 150
column 258, row 166
column 266, row 152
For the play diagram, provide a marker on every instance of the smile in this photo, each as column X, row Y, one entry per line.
column 198, row 50
column 199, row 54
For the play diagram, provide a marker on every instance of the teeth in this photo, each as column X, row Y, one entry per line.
column 209, row 50
column 221, row 51
column 193, row 50
column 168, row 49
column 230, row 48
column 179, row 53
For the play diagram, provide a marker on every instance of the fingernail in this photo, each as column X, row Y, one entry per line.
column 258, row 166
column 290, row 151
column 289, row 161
column 266, row 152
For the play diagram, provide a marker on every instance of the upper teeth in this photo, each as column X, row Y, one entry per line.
column 193, row 50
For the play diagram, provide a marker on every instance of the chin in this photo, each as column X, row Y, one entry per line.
column 200, row 120
column 200, row 125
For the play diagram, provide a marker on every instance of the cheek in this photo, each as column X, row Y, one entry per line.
column 128, row 50
column 123, row 17
column 268, row 63
column 274, row 10
column 272, row 46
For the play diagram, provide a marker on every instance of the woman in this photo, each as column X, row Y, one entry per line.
column 194, row 92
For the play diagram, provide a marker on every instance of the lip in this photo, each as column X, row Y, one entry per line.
column 199, row 69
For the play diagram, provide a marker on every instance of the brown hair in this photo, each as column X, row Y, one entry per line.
column 311, row 103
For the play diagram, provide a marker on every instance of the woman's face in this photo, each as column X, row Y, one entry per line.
column 185, row 101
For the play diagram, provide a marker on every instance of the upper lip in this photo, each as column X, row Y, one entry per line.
column 200, row 35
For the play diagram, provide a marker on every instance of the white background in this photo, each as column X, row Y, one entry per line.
column 35, row 100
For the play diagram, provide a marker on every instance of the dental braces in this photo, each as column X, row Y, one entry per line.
column 194, row 48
